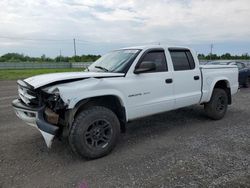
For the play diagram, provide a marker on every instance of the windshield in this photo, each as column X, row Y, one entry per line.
column 115, row 61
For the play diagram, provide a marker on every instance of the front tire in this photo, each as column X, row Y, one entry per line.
column 216, row 108
column 94, row 132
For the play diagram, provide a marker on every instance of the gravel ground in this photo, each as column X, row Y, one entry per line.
column 181, row 148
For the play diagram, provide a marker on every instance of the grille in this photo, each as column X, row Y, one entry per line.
column 27, row 95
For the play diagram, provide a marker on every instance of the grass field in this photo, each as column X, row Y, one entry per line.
column 24, row 73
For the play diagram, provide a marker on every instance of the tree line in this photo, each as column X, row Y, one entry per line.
column 226, row 56
column 16, row 57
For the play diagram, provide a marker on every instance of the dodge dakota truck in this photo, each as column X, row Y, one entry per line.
column 91, row 108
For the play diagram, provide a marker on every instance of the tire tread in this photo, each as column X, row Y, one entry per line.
column 209, row 107
column 77, row 122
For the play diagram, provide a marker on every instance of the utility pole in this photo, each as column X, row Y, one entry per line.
column 60, row 55
column 74, row 40
column 211, row 51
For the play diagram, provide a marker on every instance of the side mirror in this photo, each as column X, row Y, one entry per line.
column 145, row 66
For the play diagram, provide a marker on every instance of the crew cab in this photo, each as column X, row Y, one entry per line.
column 93, row 107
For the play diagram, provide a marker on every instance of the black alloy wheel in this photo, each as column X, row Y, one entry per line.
column 98, row 134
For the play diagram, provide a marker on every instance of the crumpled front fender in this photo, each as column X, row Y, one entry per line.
column 74, row 92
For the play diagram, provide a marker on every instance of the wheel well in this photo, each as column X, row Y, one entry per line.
column 223, row 84
column 109, row 101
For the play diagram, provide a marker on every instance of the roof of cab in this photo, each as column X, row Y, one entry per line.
column 145, row 47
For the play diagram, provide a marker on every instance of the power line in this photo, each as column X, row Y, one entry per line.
column 64, row 41
column 80, row 41
column 33, row 39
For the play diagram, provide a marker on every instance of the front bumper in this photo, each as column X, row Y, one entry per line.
column 35, row 118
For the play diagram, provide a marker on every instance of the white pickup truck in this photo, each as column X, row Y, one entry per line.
column 93, row 107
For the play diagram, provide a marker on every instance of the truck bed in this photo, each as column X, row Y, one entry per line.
column 225, row 72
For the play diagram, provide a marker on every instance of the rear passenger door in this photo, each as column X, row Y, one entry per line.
column 186, row 78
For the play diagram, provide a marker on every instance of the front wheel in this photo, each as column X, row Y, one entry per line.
column 217, row 106
column 94, row 132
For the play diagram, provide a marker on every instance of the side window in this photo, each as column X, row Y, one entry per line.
column 182, row 60
column 190, row 60
column 156, row 57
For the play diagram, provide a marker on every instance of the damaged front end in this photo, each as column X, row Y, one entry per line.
column 41, row 108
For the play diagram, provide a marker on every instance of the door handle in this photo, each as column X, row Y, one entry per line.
column 169, row 81
column 196, row 77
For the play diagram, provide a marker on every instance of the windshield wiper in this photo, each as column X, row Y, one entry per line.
column 102, row 68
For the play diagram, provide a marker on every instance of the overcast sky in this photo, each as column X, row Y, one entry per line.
column 36, row 27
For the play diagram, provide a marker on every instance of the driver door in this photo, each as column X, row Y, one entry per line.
column 150, row 92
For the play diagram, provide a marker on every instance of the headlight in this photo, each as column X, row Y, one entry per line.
column 51, row 90
column 53, row 93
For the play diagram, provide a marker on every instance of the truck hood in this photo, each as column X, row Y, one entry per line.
column 45, row 79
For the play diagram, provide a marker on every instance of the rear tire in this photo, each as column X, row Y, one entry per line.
column 217, row 106
column 94, row 132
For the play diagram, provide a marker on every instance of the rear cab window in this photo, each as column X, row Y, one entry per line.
column 182, row 59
